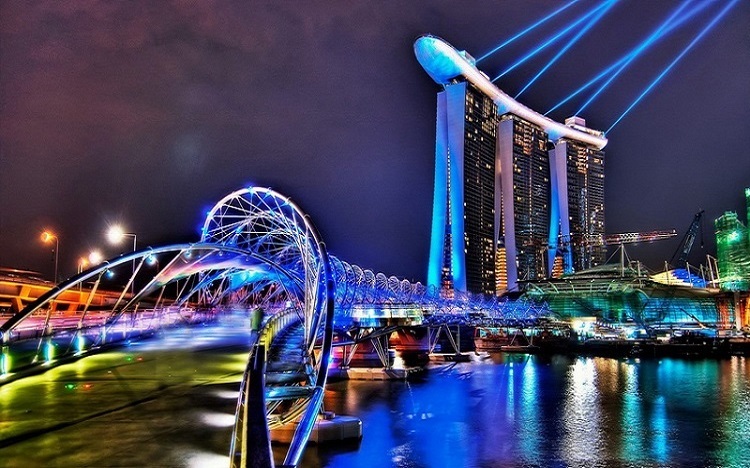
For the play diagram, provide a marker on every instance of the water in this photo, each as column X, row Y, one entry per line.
column 171, row 401
column 559, row 411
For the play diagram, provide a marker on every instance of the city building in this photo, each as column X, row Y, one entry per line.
column 578, row 178
column 733, row 250
column 517, row 195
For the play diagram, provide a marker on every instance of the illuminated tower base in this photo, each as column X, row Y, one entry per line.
column 465, row 215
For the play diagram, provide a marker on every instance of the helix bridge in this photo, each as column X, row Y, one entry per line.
column 261, row 254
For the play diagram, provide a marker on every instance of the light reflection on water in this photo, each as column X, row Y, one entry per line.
column 559, row 411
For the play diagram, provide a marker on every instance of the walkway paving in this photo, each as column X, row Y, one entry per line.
column 165, row 402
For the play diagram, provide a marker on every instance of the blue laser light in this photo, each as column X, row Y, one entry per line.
column 664, row 72
column 679, row 22
column 550, row 41
column 570, row 44
column 651, row 39
column 527, row 30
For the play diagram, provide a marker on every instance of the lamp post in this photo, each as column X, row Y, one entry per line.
column 83, row 262
column 48, row 237
column 115, row 235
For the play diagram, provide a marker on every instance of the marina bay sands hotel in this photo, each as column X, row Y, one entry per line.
column 518, row 196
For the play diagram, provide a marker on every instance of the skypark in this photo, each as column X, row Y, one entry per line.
column 444, row 63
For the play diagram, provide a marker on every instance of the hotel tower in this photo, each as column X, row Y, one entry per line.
column 517, row 195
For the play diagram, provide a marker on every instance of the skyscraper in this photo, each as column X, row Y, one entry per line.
column 577, row 173
column 506, row 179
column 464, row 238
column 525, row 186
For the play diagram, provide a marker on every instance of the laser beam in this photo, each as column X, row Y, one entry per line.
column 636, row 52
column 680, row 21
column 695, row 40
column 550, row 41
column 570, row 44
column 528, row 29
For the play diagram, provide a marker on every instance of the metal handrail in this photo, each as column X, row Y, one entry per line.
column 254, row 369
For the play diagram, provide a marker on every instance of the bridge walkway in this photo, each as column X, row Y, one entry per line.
column 168, row 401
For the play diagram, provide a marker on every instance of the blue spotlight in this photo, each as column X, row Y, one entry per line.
column 570, row 44
column 625, row 57
column 589, row 83
column 634, row 54
column 529, row 29
column 550, row 41
column 695, row 40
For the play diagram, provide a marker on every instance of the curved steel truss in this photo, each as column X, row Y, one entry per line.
column 258, row 251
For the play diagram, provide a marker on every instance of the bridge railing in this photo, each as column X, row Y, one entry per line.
column 46, row 340
column 275, row 324
column 250, row 436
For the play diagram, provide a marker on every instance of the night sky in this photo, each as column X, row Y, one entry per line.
column 148, row 112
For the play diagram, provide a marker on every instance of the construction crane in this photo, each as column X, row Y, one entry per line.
column 593, row 240
column 627, row 237
column 686, row 245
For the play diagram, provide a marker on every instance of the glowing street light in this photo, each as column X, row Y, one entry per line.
column 95, row 257
column 83, row 262
column 116, row 234
column 48, row 237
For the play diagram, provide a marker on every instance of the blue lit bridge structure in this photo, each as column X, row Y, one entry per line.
column 261, row 254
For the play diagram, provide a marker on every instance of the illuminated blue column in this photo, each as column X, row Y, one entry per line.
column 448, row 197
column 456, row 114
column 504, row 152
column 554, row 214
column 559, row 178
column 440, row 196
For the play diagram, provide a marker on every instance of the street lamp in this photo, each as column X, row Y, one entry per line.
column 95, row 257
column 115, row 235
column 48, row 237
column 83, row 262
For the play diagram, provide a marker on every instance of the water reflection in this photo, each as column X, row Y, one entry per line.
column 550, row 411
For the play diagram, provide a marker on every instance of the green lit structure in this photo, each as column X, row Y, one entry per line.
column 733, row 250
column 617, row 295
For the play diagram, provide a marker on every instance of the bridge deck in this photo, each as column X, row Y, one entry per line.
column 164, row 402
